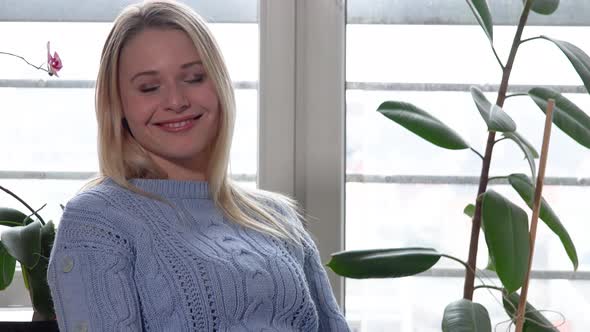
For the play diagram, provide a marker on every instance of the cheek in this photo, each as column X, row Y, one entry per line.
column 207, row 98
column 136, row 110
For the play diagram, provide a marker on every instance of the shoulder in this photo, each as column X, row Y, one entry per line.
column 100, row 196
column 105, row 199
column 279, row 205
column 286, row 210
column 91, row 215
column 278, row 202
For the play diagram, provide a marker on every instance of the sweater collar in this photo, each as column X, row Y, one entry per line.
column 174, row 188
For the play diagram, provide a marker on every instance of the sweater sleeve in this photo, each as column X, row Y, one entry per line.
column 91, row 271
column 330, row 315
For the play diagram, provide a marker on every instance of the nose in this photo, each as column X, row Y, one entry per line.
column 176, row 99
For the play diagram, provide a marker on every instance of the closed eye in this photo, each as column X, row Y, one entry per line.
column 196, row 79
column 148, row 89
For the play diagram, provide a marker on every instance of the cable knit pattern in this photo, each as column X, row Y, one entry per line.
column 125, row 262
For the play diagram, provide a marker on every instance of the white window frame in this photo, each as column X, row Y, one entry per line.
column 301, row 114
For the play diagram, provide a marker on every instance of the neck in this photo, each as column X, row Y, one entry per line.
column 194, row 169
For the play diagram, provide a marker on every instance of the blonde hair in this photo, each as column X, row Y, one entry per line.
column 122, row 158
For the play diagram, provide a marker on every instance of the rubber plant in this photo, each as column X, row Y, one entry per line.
column 504, row 224
column 27, row 238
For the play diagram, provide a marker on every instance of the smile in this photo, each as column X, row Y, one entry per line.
column 177, row 126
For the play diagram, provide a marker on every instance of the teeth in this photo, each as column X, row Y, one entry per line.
column 176, row 124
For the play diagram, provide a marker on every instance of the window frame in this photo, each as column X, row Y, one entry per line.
column 302, row 118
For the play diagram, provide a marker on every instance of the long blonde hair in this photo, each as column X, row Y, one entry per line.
column 122, row 158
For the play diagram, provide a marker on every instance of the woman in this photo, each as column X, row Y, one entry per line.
column 164, row 240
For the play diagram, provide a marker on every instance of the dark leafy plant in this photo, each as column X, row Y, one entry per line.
column 504, row 224
column 28, row 241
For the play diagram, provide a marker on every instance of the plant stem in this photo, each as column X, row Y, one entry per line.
column 529, row 39
column 498, row 58
column 456, row 260
column 485, row 169
column 25, row 60
column 516, row 95
column 500, row 140
column 23, row 203
column 488, row 286
column 476, row 152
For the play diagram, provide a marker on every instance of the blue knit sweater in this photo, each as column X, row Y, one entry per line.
column 125, row 262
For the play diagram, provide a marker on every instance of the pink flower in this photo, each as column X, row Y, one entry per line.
column 53, row 62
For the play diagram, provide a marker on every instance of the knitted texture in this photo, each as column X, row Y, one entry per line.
column 125, row 262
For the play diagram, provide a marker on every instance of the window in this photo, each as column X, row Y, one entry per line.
column 47, row 126
column 324, row 68
column 403, row 191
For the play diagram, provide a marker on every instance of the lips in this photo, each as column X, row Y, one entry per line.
column 175, row 121
column 180, row 124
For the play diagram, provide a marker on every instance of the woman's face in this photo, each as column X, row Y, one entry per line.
column 169, row 101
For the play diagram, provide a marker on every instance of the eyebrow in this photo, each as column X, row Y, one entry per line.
column 154, row 72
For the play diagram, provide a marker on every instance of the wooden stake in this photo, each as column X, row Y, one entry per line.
column 535, row 218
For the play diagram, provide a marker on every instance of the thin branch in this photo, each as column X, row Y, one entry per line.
column 488, row 286
column 36, row 211
column 476, row 152
column 456, row 260
column 529, row 39
column 500, row 140
column 25, row 60
column 497, row 57
column 23, row 203
column 516, row 95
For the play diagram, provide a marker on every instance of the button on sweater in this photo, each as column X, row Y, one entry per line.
column 126, row 262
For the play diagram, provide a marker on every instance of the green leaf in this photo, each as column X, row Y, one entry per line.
column 47, row 238
column 35, row 278
column 534, row 320
column 25, row 278
column 383, row 263
column 39, row 290
column 529, row 150
column 10, row 223
column 577, row 57
column 24, row 243
column 544, row 7
column 507, row 235
column 525, row 188
column 491, row 266
column 469, row 210
column 495, row 118
column 7, row 266
column 8, row 214
column 566, row 115
column 466, row 316
column 481, row 11
column 422, row 124
column 523, row 143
